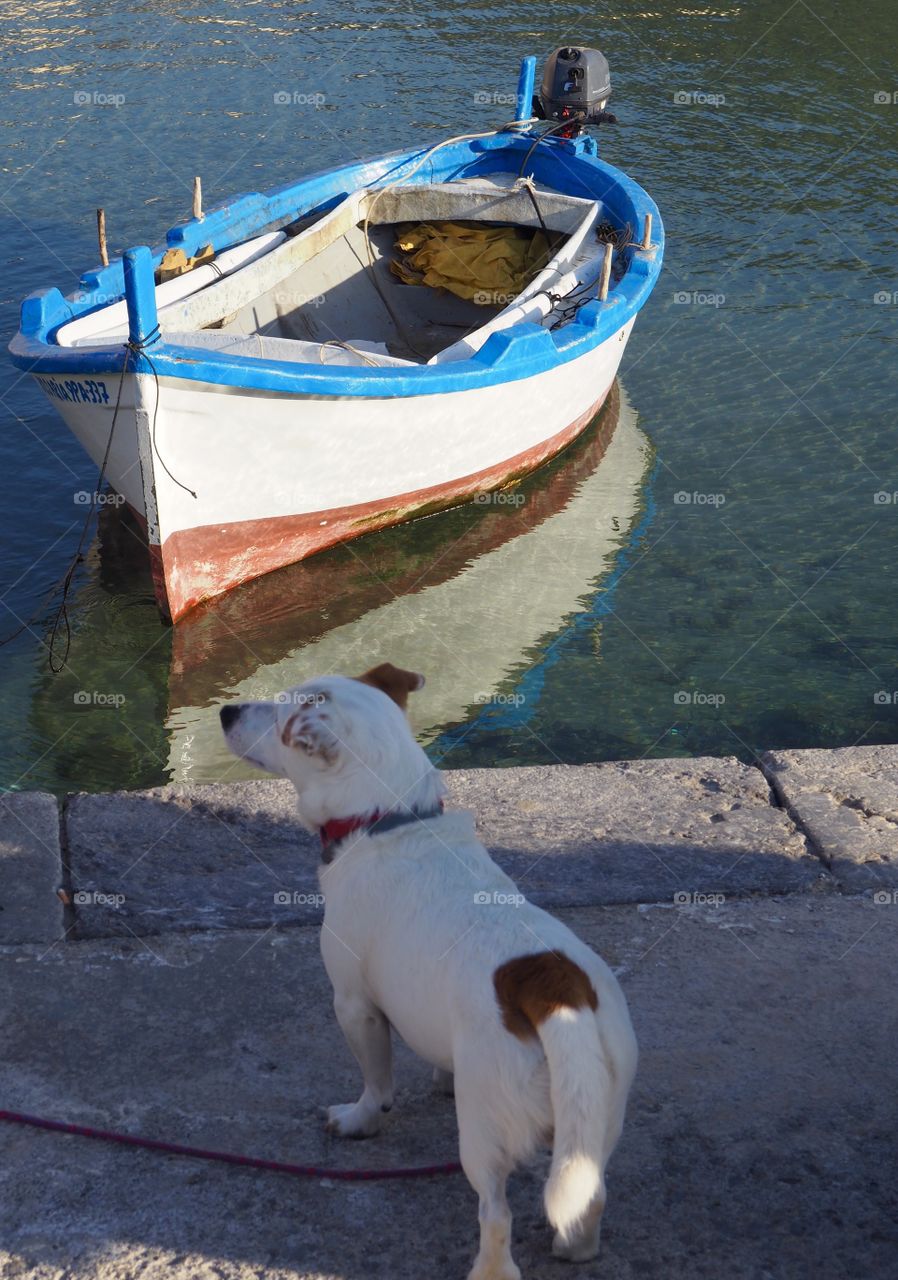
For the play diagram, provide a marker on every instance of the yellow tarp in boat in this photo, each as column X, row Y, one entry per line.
column 175, row 262
column 485, row 264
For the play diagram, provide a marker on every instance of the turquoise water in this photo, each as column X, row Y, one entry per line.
column 604, row 617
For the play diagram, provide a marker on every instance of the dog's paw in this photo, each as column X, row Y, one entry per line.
column 350, row 1120
column 580, row 1249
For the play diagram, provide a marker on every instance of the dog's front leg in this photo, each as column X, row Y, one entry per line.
column 367, row 1033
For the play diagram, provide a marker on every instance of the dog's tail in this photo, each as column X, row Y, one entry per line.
column 581, row 1085
column 589, row 1072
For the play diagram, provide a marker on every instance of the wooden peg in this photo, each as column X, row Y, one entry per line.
column 197, row 198
column 647, row 233
column 605, row 277
column 101, row 236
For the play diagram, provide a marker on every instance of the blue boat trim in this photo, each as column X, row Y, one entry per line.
column 140, row 293
column 526, row 84
column 570, row 165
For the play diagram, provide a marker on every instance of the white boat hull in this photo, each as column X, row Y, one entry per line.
column 278, row 477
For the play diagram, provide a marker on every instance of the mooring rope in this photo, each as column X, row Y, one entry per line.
column 60, row 626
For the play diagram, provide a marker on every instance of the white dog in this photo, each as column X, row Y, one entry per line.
column 424, row 933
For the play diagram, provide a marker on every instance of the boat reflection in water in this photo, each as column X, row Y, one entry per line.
column 471, row 597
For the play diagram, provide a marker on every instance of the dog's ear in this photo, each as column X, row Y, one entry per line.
column 393, row 681
column 307, row 733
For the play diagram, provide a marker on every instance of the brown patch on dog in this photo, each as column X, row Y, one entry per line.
column 531, row 988
column 287, row 731
column 393, row 681
column 311, row 740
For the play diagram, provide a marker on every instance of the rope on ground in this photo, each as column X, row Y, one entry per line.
column 227, row 1157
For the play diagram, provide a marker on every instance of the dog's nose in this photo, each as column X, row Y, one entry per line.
column 229, row 714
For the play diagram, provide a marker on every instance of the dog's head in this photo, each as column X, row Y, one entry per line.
column 344, row 743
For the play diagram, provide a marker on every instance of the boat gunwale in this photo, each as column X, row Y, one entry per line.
column 523, row 350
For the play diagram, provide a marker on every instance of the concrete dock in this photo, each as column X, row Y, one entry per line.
column 751, row 912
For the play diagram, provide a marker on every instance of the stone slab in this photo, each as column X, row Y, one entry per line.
column 846, row 800
column 30, row 868
column 639, row 831
column 181, row 857
column 234, row 855
column 759, row 1143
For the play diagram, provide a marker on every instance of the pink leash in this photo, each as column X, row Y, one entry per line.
column 227, row 1157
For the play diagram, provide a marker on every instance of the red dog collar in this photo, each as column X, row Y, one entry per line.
column 339, row 828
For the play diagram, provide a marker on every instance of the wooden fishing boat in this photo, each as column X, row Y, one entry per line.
column 290, row 391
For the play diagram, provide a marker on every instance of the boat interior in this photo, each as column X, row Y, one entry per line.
column 325, row 290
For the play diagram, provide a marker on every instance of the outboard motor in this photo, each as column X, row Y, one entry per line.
column 576, row 86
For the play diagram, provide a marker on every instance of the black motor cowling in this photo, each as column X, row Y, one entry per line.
column 576, row 86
